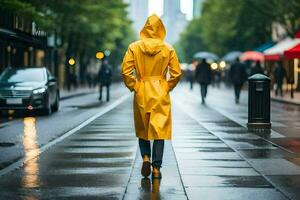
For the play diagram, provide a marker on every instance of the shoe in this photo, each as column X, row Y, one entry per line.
column 156, row 174
column 146, row 167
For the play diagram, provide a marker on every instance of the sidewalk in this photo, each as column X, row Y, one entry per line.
column 65, row 94
column 287, row 98
column 211, row 157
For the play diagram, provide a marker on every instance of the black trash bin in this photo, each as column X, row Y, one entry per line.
column 259, row 103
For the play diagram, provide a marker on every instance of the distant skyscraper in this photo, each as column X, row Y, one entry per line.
column 138, row 13
column 175, row 21
column 197, row 7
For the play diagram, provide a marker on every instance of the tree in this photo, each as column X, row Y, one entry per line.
column 191, row 41
column 234, row 25
column 227, row 25
column 284, row 12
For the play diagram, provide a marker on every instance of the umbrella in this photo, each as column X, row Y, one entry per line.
column 252, row 56
column 232, row 56
column 206, row 55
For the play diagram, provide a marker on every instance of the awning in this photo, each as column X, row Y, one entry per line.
column 293, row 52
column 297, row 35
column 252, row 56
column 275, row 53
column 264, row 47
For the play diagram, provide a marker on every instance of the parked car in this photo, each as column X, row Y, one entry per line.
column 29, row 88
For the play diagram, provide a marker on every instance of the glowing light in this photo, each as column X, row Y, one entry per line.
column 99, row 55
column 214, row 66
column 107, row 52
column 71, row 61
column 222, row 64
column 31, row 150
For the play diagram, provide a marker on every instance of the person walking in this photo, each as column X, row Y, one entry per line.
column 190, row 75
column 238, row 76
column 105, row 78
column 203, row 76
column 279, row 76
column 256, row 69
column 144, row 70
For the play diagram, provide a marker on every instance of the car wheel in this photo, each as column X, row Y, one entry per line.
column 48, row 110
column 56, row 104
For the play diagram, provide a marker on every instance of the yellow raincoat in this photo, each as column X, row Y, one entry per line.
column 144, row 70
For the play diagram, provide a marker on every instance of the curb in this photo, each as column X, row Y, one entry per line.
column 75, row 95
column 285, row 101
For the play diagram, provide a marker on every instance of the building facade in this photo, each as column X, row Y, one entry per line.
column 197, row 8
column 138, row 13
column 175, row 21
column 22, row 43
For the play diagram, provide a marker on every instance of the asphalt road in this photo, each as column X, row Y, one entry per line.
column 72, row 113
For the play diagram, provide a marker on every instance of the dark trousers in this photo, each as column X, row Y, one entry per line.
column 278, row 89
column 203, row 89
column 237, row 91
column 158, row 151
column 107, row 91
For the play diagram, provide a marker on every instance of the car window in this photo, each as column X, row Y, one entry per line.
column 48, row 73
column 23, row 75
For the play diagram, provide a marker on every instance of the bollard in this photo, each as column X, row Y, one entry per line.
column 259, row 103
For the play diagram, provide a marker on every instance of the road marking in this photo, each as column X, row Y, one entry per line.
column 22, row 161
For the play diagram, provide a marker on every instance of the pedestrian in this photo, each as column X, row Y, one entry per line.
column 105, row 78
column 238, row 76
column 203, row 76
column 190, row 74
column 256, row 69
column 279, row 75
column 151, row 58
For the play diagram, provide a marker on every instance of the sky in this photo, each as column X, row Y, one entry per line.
column 156, row 6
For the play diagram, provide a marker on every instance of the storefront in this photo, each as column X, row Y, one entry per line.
column 275, row 54
column 21, row 43
column 293, row 56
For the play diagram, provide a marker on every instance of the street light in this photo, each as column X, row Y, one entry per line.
column 71, row 61
column 107, row 52
column 214, row 66
column 222, row 65
column 100, row 55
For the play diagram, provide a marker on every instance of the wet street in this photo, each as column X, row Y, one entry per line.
column 88, row 150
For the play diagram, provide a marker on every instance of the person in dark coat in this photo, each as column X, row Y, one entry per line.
column 257, row 69
column 279, row 75
column 203, row 76
column 238, row 76
column 104, row 78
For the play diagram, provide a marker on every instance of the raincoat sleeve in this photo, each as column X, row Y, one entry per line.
column 174, row 70
column 127, row 71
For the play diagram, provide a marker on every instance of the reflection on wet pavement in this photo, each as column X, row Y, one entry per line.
column 213, row 174
column 169, row 187
column 87, row 165
column 31, row 148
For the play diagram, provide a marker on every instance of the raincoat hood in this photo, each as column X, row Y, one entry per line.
column 152, row 35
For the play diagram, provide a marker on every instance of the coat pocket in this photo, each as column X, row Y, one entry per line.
column 137, row 87
column 165, row 87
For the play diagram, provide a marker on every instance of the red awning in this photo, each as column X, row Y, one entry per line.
column 252, row 56
column 274, row 57
column 297, row 35
column 293, row 52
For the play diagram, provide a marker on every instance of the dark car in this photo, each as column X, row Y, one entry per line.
column 28, row 88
